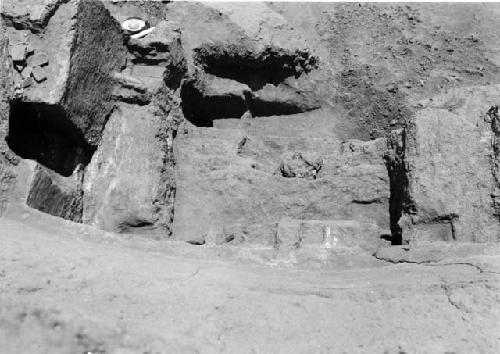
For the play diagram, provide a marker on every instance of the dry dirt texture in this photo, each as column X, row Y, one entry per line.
column 249, row 178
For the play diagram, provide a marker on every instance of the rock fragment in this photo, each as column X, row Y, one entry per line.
column 295, row 165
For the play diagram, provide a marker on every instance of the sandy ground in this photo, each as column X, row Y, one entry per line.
column 67, row 289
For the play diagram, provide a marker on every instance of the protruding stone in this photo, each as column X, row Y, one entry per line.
column 18, row 53
column 40, row 59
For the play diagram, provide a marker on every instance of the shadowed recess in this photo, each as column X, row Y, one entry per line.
column 43, row 133
column 201, row 111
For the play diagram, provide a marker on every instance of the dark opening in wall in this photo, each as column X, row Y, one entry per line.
column 400, row 201
column 42, row 132
column 269, row 67
column 202, row 110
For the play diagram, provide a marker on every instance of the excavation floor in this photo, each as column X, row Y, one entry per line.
column 66, row 288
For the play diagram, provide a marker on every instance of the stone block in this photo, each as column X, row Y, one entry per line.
column 128, row 184
column 450, row 174
column 339, row 235
column 40, row 59
column 445, row 176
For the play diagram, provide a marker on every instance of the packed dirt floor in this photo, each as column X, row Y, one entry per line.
column 72, row 290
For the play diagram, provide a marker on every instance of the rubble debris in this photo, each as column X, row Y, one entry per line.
column 295, row 165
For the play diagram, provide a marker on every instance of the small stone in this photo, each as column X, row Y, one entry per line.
column 392, row 88
column 18, row 52
column 26, row 72
column 19, row 67
column 246, row 115
column 197, row 240
column 40, row 59
column 39, row 74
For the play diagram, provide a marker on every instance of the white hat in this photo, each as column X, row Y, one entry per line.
column 134, row 25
